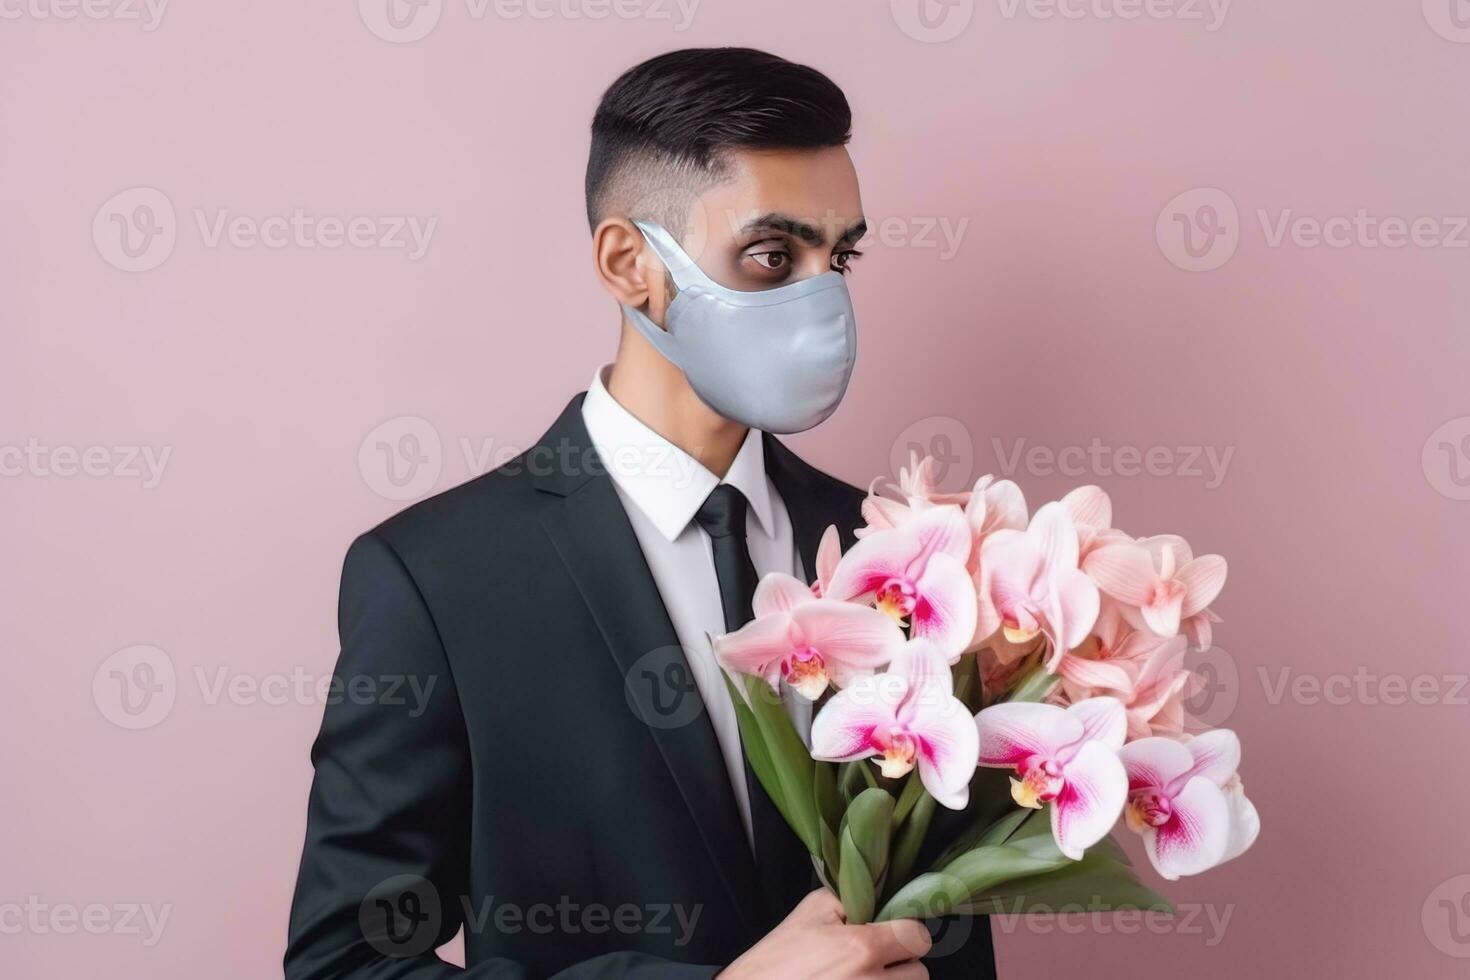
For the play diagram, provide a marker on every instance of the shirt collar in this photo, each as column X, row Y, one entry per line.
column 664, row 482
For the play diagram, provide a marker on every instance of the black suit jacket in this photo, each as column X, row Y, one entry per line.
column 515, row 744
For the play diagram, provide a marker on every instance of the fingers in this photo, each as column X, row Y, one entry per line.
column 820, row 906
column 895, row 942
column 912, row 970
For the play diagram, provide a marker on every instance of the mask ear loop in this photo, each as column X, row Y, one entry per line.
column 679, row 266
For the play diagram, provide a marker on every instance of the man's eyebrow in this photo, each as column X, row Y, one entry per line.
column 803, row 231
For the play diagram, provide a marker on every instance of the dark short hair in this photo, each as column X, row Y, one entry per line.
column 672, row 119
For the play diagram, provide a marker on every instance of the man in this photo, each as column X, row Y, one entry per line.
column 572, row 789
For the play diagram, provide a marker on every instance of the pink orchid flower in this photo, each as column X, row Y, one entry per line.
column 1067, row 757
column 1030, row 584
column 916, row 487
column 916, row 572
column 907, row 717
column 1159, row 582
column 1144, row 671
column 993, row 506
column 1092, row 512
column 829, row 553
column 806, row 641
column 1187, row 801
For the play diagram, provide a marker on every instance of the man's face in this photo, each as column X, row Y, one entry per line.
column 781, row 216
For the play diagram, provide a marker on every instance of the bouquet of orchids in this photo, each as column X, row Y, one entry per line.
column 966, row 641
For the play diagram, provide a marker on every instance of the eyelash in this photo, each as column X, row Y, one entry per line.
column 841, row 261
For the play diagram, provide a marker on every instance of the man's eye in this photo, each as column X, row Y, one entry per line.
column 771, row 260
column 841, row 260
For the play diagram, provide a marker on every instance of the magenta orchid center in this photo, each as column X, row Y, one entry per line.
column 897, row 598
column 1148, row 808
column 899, row 749
column 806, row 672
column 1041, row 782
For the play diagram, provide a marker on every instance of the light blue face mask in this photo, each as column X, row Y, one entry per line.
column 777, row 360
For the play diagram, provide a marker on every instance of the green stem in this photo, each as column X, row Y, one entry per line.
column 1035, row 685
column 906, row 846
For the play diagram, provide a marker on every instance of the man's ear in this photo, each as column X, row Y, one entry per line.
column 628, row 268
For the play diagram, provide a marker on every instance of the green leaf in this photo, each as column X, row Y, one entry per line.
column 946, row 891
column 824, row 788
column 779, row 758
column 1035, row 685
column 913, row 789
column 869, row 822
column 855, row 883
column 906, row 844
column 1098, row 882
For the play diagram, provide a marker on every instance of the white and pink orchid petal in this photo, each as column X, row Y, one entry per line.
column 1167, row 548
column 1199, row 628
column 1090, row 801
column 996, row 506
column 845, row 632
column 922, row 663
column 778, row 592
column 1216, row 755
column 1196, row 834
column 945, row 610
column 1094, row 674
column 756, row 646
column 1090, row 506
column 1013, row 731
column 843, row 730
column 1123, row 571
column 942, row 529
column 882, row 514
column 829, row 553
column 1074, row 608
column 1054, row 535
column 1103, row 720
column 1162, row 614
column 948, row 747
column 1203, row 578
column 1245, row 824
column 1155, row 762
column 875, row 559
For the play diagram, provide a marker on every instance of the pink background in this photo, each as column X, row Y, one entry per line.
column 1060, row 319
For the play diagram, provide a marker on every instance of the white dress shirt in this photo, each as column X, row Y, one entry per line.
column 662, row 487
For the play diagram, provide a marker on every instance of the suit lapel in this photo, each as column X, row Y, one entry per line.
column 812, row 507
column 595, row 540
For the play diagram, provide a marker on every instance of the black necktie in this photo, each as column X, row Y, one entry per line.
column 784, row 865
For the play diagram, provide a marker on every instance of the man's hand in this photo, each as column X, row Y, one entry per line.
column 815, row 941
